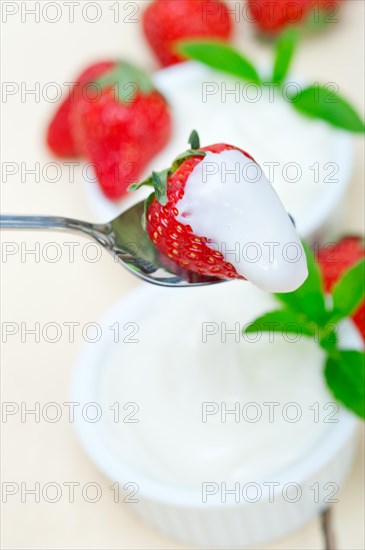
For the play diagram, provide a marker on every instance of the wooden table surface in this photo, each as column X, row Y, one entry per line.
column 37, row 290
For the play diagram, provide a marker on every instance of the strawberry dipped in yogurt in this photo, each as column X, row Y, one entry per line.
column 215, row 213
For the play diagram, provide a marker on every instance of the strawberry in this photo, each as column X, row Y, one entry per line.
column 165, row 22
column 171, row 238
column 120, row 127
column 115, row 118
column 59, row 137
column 272, row 16
column 335, row 260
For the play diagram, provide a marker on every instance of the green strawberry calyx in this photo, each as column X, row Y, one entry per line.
column 127, row 81
column 307, row 312
column 158, row 180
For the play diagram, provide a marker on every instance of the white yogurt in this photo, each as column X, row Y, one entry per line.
column 171, row 372
column 228, row 199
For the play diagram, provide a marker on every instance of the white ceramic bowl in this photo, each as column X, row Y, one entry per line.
column 180, row 513
column 315, row 223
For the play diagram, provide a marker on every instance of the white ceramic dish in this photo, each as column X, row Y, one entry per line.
column 316, row 222
column 180, row 513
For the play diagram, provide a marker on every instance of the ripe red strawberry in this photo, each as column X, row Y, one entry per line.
column 121, row 127
column 335, row 260
column 165, row 22
column 272, row 16
column 59, row 136
column 173, row 239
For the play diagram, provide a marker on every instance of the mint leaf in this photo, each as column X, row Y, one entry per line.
column 282, row 320
column 220, row 56
column 284, row 51
column 345, row 376
column 319, row 102
column 349, row 292
column 308, row 299
column 328, row 338
column 127, row 81
column 194, row 140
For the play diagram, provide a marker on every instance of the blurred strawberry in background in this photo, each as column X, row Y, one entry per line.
column 335, row 260
column 272, row 16
column 59, row 136
column 165, row 22
column 115, row 118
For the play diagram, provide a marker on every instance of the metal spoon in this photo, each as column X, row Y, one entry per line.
column 124, row 238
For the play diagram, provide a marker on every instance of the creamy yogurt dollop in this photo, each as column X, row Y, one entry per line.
column 229, row 200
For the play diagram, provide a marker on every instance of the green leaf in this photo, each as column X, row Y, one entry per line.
column 194, row 140
column 345, row 376
column 147, row 203
column 148, row 182
column 328, row 338
column 349, row 292
column 220, row 56
column 127, row 81
column 184, row 156
column 159, row 180
column 307, row 300
column 319, row 102
column 285, row 48
column 319, row 17
column 282, row 320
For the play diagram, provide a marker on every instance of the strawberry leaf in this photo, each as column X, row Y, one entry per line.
column 319, row 102
column 220, row 56
column 284, row 321
column 194, row 140
column 318, row 18
column 345, row 376
column 184, row 156
column 148, row 182
column 285, row 48
column 127, row 81
column 147, row 204
column 307, row 300
column 349, row 292
column 159, row 180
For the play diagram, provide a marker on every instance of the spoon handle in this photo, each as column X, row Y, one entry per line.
column 95, row 231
